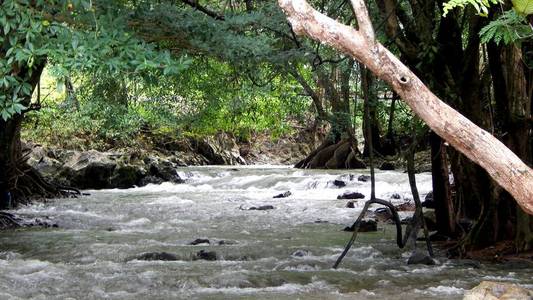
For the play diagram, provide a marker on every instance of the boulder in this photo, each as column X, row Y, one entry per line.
column 350, row 204
column 351, row 195
column 387, row 166
column 420, row 258
column 165, row 170
column 205, row 255
column 367, row 225
column 126, row 176
column 157, row 256
column 490, row 290
column 283, row 195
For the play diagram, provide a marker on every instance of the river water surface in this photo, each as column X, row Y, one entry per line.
column 283, row 253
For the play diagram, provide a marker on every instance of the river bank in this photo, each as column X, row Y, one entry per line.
column 126, row 168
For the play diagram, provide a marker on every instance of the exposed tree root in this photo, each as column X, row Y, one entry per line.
column 329, row 155
column 8, row 220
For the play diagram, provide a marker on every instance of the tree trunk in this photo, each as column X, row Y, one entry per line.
column 477, row 144
column 444, row 208
column 370, row 124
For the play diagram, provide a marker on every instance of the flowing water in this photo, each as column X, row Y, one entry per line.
column 283, row 253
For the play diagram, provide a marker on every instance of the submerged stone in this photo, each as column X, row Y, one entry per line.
column 300, row 253
column 205, row 255
column 157, row 256
column 264, row 207
column 200, row 241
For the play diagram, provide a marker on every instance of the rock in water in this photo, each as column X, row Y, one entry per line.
column 157, row 256
column 200, row 241
column 490, row 290
column 339, row 183
column 396, row 196
column 351, row 195
column 420, row 258
column 350, row 204
column 365, row 226
column 283, row 195
column 300, row 253
column 264, row 207
column 363, row 178
column 205, row 255
column 387, row 166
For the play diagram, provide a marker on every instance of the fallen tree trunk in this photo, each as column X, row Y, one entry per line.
column 477, row 144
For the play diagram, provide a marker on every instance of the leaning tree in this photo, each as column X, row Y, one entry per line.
column 504, row 166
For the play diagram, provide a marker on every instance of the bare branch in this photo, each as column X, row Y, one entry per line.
column 363, row 20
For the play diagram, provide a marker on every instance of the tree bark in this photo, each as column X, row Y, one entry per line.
column 477, row 144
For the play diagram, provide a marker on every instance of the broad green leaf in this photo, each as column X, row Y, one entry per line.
column 523, row 7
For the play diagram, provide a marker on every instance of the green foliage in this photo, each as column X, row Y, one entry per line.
column 73, row 35
column 523, row 7
column 509, row 28
column 481, row 6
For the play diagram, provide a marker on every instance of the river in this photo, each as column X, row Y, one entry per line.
column 283, row 253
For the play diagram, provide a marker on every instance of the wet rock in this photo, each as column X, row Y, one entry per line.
column 126, row 176
column 300, row 253
column 490, row 290
column 283, row 195
column 420, row 258
column 200, row 241
column 351, row 195
column 367, row 225
column 350, row 204
column 338, row 183
column 363, row 178
column 150, row 179
column 165, row 170
column 428, row 201
column 263, row 207
column 396, row 196
column 157, row 256
column 387, row 166
column 205, row 255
